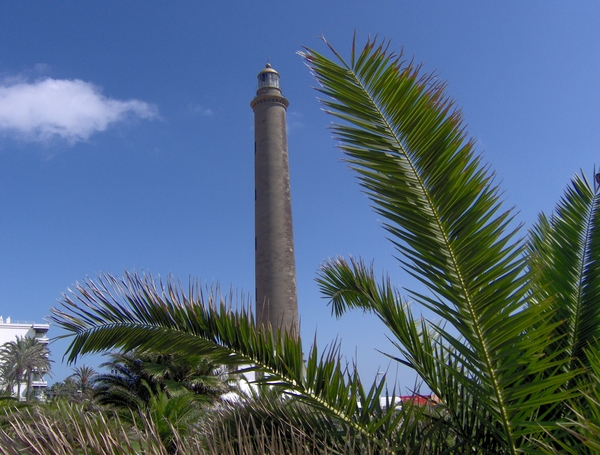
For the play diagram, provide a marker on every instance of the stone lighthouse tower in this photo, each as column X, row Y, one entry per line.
column 275, row 267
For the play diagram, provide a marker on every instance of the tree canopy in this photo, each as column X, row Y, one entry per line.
column 21, row 360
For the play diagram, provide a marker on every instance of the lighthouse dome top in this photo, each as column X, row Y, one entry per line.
column 268, row 78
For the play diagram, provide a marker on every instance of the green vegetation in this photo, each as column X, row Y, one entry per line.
column 134, row 378
column 514, row 361
column 20, row 361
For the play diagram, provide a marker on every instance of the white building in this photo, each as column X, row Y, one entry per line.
column 10, row 330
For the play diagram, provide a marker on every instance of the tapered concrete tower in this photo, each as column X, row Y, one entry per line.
column 275, row 267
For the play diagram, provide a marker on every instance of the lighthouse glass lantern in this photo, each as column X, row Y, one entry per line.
column 268, row 78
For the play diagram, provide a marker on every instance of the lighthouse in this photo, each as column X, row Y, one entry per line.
column 275, row 267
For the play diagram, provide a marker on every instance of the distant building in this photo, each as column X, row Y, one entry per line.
column 11, row 330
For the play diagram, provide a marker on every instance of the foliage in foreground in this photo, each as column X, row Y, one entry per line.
column 511, row 360
column 69, row 429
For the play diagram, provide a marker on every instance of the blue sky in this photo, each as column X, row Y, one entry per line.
column 126, row 138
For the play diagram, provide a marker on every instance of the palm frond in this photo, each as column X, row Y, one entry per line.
column 139, row 312
column 564, row 251
column 403, row 137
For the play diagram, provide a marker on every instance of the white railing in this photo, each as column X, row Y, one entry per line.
column 11, row 321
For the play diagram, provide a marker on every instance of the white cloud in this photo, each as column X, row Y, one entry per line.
column 68, row 109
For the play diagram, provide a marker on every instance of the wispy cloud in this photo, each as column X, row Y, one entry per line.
column 69, row 109
column 294, row 121
column 198, row 109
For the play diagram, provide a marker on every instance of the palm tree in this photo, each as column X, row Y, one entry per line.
column 84, row 374
column 135, row 377
column 519, row 317
column 197, row 374
column 125, row 385
column 25, row 357
column 7, row 376
column 67, row 390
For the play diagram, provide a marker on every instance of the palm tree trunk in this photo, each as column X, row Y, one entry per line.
column 19, row 378
column 28, row 393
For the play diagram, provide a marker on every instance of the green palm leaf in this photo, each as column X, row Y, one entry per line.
column 564, row 251
column 405, row 141
column 139, row 312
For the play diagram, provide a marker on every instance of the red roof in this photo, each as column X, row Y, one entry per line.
column 419, row 400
